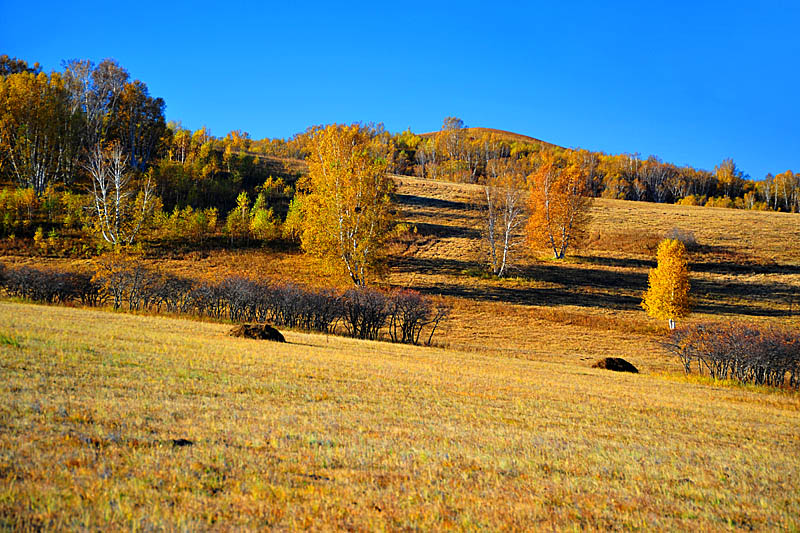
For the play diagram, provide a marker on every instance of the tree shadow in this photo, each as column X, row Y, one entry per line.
column 596, row 288
column 443, row 231
column 433, row 203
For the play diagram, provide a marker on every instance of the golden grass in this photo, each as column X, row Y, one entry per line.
column 747, row 266
column 328, row 434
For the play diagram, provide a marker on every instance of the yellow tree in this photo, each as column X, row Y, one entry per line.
column 667, row 295
column 347, row 216
column 730, row 179
column 558, row 204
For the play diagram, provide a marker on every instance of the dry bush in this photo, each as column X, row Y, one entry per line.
column 50, row 286
column 410, row 312
column 685, row 236
column 365, row 312
column 761, row 355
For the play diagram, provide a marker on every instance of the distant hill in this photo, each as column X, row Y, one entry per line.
column 505, row 135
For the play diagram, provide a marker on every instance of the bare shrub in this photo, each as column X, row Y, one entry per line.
column 743, row 352
column 365, row 312
column 207, row 299
column 239, row 295
column 409, row 312
column 32, row 284
column 174, row 293
column 81, row 288
column 685, row 236
column 120, row 280
column 326, row 307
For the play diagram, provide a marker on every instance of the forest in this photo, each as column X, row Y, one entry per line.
column 87, row 151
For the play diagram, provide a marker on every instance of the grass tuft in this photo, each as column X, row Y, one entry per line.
column 8, row 340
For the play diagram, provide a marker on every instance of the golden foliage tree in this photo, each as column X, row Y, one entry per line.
column 558, row 204
column 667, row 296
column 347, row 216
column 33, row 114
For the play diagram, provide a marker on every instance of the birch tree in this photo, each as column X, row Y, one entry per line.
column 347, row 216
column 667, row 295
column 120, row 208
column 559, row 207
column 504, row 211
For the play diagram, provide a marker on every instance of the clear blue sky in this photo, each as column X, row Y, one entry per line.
column 692, row 82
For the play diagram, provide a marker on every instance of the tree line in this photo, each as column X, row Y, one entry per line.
column 90, row 152
column 458, row 153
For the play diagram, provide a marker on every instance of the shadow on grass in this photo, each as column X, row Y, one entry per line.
column 433, row 203
column 598, row 288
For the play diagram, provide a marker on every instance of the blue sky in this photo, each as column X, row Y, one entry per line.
column 691, row 82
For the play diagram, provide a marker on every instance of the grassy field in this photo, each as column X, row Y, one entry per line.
column 329, row 434
column 504, row 425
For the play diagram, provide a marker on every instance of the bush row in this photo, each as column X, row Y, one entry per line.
column 746, row 353
column 359, row 312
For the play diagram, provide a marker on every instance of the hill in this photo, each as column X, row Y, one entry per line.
column 155, row 423
column 503, row 135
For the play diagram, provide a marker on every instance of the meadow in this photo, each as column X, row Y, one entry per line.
column 118, row 421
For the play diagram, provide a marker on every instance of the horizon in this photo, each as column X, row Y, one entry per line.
column 690, row 84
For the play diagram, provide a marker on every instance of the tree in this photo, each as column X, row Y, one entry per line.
column 120, row 208
column 347, row 216
column 12, row 65
column 32, row 114
column 730, row 179
column 558, row 205
column 667, row 295
column 504, row 210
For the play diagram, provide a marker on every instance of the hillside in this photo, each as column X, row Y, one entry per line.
column 116, row 421
column 154, row 423
column 746, row 266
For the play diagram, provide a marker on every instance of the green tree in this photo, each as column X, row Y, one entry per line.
column 347, row 216
column 667, row 295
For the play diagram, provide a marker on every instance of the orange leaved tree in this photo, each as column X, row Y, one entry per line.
column 347, row 215
column 558, row 204
column 667, row 295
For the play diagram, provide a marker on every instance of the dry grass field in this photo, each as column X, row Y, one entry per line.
column 115, row 421
column 503, row 426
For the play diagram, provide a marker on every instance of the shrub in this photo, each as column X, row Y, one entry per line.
column 742, row 352
column 409, row 312
column 173, row 293
column 120, row 279
column 685, row 236
column 123, row 278
column 364, row 312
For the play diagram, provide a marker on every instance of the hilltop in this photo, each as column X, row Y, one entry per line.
column 508, row 136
